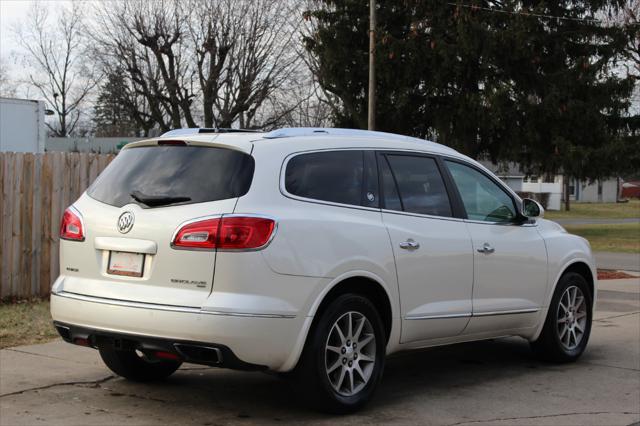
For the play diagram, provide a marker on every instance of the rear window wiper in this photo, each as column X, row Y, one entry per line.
column 157, row 200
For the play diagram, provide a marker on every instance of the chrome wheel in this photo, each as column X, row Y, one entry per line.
column 350, row 353
column 571, row 318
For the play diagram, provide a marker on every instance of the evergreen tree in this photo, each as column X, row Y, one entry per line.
column 113, row 115
column 528, row 81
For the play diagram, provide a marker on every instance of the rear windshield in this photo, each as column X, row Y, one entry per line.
column 154, row 176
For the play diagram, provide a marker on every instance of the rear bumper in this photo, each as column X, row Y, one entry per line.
column 187, row 351
column 244, row 341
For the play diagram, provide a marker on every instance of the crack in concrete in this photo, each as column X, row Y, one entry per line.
column 44, row 356
column 96, row 383
column 499, row 419
column 611, row 366
column 616, row 316
column 93, row 383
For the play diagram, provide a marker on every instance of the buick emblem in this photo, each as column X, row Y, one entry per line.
column 125, row 222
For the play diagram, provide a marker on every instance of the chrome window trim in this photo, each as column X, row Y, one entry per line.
column 287, row 194
column 170, row 308
column 420, row 215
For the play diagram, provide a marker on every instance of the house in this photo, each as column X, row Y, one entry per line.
column 550, row 191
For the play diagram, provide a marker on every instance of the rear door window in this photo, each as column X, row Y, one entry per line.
column 170, row 175
column 417, row 183
column 345, row 177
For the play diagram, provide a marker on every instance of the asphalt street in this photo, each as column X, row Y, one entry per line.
column 484, row 383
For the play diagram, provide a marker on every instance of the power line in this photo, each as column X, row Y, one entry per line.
column 531, row 14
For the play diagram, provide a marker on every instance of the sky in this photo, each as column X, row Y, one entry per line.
column 11, row 11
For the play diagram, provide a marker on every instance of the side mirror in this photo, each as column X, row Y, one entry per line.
column 532, row 208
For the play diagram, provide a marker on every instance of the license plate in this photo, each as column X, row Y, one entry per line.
column 123, row 263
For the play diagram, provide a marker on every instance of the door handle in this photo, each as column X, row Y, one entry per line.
column 410, row 244
column 486, row 249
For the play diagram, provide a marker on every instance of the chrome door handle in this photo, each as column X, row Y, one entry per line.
column 486, row 249
column 410, row 245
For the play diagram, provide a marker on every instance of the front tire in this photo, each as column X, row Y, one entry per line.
column 136, row 367
column 343, row 359
column 568, row 324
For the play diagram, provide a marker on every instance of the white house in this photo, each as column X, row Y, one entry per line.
column 550, row 190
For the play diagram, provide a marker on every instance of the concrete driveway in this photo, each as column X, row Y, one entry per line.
column 484, row 383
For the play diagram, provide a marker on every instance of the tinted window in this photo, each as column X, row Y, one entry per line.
column 483, row 199
column 390, row 191
column 182, row 172
column 336, row 176
column 419, row 185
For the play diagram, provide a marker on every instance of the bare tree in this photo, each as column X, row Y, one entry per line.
column 56, row 61
column 8, row 87
column 222, row 63
column 631, row 18
column 244, row 56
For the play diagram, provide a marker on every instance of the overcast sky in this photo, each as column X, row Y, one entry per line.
column 11, row 13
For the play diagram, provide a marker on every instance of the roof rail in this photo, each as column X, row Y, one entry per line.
column 198, row 130
column 288, row 132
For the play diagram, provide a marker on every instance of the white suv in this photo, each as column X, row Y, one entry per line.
column 314, row 252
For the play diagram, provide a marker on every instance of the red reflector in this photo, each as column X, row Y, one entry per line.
column 229, row 233
column 166, row 355
column 71, row 226
column 81, row 341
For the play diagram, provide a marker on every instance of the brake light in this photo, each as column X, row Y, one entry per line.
column 71, row 225
column 172, row 143
column 227, row 233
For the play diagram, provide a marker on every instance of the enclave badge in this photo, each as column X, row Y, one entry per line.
column 125, row 222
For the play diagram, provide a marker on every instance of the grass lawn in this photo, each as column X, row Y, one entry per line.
column 25, row 323
column 598, row 210
column 624, row 238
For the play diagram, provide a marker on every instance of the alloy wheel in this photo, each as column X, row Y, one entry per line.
column 571, row 318
column 350, row 353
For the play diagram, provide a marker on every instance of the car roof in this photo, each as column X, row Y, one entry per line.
column 301, row 138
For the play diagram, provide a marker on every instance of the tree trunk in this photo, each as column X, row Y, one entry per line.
column 567, row 195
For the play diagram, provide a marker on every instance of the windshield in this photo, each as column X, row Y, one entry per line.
column 154, row 176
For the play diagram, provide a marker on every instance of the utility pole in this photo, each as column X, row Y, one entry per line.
column 372, row 66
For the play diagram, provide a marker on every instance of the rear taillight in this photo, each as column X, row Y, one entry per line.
column 71, row 225
column 226, row 233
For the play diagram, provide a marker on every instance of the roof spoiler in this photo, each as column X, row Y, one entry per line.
column 199, row 130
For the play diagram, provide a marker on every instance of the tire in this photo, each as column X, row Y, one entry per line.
column 132, row 366
column 570, row 313
column 335, row 374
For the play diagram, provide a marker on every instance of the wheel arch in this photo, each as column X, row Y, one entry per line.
column 583, row 269
column 364, row 286
column 358, row 282
column 580, row 266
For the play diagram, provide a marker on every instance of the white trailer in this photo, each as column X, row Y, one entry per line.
column 22, row 126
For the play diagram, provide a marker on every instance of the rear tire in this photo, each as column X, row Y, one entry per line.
column 568, row 324
column 343, row 359
column 132, row 366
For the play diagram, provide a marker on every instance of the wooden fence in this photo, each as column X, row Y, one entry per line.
column 35, row 189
